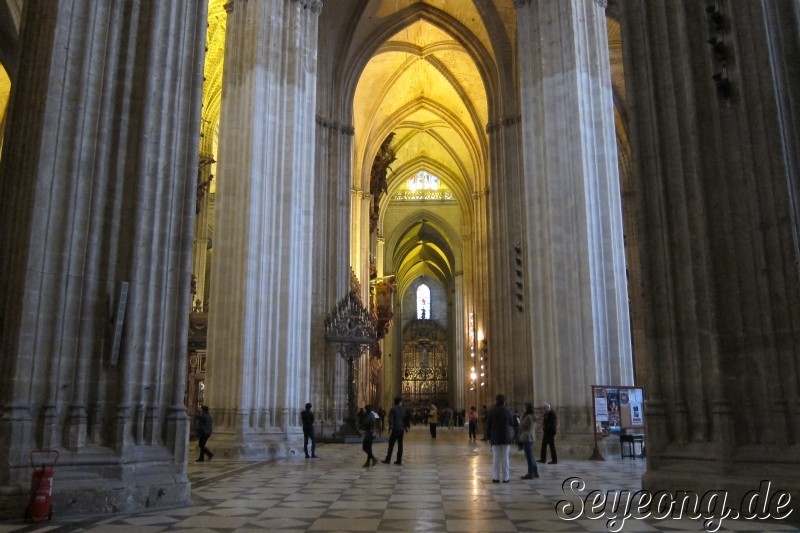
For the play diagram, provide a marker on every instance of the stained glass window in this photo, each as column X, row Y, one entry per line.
column 423, row 186
column 423, row 301
column 423, row 181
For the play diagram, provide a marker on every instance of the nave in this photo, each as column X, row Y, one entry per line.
column 444, row 485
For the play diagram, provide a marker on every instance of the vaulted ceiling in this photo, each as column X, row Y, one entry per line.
column 421, row 69
column 423, row 85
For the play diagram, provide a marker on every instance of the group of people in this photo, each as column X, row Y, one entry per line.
column 397, row 430
column 500, row 432
column 500, row 422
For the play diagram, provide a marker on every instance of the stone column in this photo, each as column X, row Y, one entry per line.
column 330, row 262
column 361, row 208
column 258, row 342
column 475, row 245
column 99, row 178
column 379, row 255
column 717, row 195
column 509, row 326
column 573, row 247
column 203, row 208
column 459, row 371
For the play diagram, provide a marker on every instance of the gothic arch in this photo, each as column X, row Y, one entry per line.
column 403, row 18
column 440, row 238
column 460, row 187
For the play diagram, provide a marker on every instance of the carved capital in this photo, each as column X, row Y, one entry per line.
column 602, row 3
column 334, row 125
column 315, row 6
column 503, row 123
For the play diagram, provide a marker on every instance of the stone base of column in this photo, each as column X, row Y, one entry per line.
column 577, row 446
column 266, row 446
column 738, row 487
column 580, row 446
column 92, row 486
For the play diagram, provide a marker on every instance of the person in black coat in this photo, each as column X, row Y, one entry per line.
column 205, row 425
column 397, row 426
column 548, row 435
column 307, row 417
column 369, row 436
column 498, row 429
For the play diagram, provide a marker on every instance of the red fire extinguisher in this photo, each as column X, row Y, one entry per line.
column 40, row 506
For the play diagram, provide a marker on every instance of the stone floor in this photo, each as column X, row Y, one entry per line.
column 443, row 485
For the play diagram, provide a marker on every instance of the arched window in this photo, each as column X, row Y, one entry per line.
column 423, row 181
column 423, row 301
column 423, row 186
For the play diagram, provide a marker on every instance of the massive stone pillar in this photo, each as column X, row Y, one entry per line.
column 204, row 210
column 462, row 362
column 331, row 251
column 258, row 370
column 573, row 247
column 475, row 293
column 508, row 337
column 330, row 260
column 716, row 164
column 99, row 175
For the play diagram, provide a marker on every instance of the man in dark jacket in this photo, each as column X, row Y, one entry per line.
column 498, row 429
column 204, row 427
column 397, row 426
column 308, row 431
column 548, row 435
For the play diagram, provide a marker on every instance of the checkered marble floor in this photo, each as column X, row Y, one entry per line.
column 444, row 485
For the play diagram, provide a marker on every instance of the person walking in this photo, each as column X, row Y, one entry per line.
column 397, row 429
column 205, row 425
column 498, row 426
column 433, row 420
column 308, row 431
column 369, row 436
column 548, row 435
column 527, row 436
column 472, row 419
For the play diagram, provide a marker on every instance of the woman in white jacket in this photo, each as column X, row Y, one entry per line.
column 527, row 436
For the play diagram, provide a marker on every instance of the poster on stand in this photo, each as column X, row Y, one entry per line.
column 617, row 408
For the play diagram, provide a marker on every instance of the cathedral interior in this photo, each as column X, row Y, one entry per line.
column 526, row 197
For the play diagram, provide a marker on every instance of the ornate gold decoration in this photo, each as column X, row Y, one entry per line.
column 377, row 180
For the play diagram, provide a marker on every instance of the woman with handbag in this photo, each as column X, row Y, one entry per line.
column 527, row 436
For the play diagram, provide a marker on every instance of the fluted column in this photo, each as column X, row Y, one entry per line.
column 99, row 178
column 379, row 255
column 331, row 266
column 717, row 200
column 203, row 208
column 508, row 326
column 459, row 375
column 573, row 248
column 258, row 370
